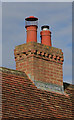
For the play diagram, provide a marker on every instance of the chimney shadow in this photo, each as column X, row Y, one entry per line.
column 66, row 85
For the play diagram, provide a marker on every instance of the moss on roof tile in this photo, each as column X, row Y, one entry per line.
column 12, row 71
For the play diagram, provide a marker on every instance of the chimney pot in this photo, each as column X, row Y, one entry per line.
column 31, row 25
column 45, row 35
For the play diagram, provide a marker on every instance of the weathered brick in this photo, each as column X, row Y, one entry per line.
column 39, row 64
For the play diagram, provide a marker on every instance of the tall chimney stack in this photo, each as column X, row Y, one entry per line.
column 45, row 35
column 42, row 64
column 31, row 25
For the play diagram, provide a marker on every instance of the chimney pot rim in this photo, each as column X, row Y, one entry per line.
column 44, row 26
column 31, row 18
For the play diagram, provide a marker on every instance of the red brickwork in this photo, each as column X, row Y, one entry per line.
column 22, row 100
column 42, row 62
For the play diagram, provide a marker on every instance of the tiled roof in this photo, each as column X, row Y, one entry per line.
column 21, row 99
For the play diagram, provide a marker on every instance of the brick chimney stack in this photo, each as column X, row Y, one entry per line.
column 45, row 35
column 42, row 63
column 31, row 28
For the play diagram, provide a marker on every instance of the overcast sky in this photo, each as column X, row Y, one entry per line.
column 57, row 15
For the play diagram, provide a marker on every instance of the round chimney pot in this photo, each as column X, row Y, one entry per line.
column 31, row 25
column 45, row 35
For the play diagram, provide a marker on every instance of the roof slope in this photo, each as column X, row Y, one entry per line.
column 21, row 99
